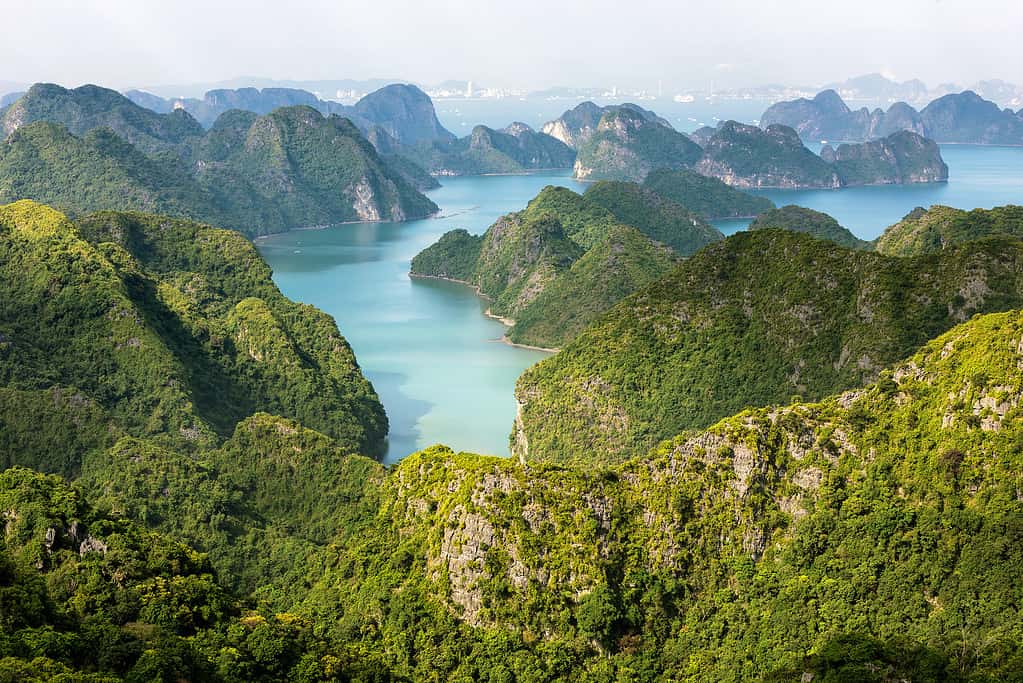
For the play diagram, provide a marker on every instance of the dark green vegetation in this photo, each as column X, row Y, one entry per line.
column 963, row 118
column 172, row 329
column 874, row 535
column 577, row 125
column 902, row 157
column 515, row 149
column 942, row 227
column 706, row 196
column 814, row 223
column 554, row 267
column 312, row 170
column 146, row 344
column 259, row 174
column 753, row 320
column 659, row 218
column 626, row 145
column 747, row 156
column 90, row 107
column 768, row 546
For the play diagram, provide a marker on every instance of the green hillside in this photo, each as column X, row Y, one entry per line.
column 813, row 223
column 942, row 227
column 753, row 320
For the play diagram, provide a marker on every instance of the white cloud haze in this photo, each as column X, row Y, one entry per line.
column 522, row 42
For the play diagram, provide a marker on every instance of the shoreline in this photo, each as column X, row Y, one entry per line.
column 305, row 228
column 507, row 322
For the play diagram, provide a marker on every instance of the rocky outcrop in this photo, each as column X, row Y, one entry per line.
column 627, row 145
column 89, row 107
column 900, row 158
column 405, row 112
column 750, row 157
column 515, row 149
column 577, row 125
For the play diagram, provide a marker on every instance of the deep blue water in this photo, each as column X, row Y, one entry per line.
column 436, row 360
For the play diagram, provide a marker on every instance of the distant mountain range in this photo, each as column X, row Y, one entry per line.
column 963, row 117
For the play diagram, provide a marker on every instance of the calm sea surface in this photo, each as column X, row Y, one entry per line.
column 436, row 360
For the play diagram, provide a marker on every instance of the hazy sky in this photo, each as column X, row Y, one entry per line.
column 532, row 43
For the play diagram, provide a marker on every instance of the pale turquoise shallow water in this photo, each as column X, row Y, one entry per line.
column 432, row 355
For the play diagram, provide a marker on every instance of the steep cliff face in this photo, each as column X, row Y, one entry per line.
column 752, row 320
column 900, row 158
column 626, row 145
column 515, row 149
column 566, row 258
column 577, row 125
column 321, row 170
column 827, row 117
column 968, row 118
column 750, row 157
column 405, row 112
column 291, row 168
column 715, row 553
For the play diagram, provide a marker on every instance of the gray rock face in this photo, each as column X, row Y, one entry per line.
column 903, row 157
column 577, row 125
column 405, row 112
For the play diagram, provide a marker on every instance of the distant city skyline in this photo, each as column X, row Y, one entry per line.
column 526, row 44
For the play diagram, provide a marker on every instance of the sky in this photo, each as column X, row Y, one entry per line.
column 516, row 43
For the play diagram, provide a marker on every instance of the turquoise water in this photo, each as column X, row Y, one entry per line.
column 435, row 360
column 979, row 177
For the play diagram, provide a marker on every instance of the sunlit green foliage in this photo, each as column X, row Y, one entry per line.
column 92, row 149
column 555, row 266
column 942, row 227
column 753, row 320
column 627, row 145
column 800, row 219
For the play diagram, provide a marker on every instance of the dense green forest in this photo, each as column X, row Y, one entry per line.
column 775, row 312
column 91, row 149
column 555, row 266
column 628, row 145
column 706, row 196
column 200, row 510
column 942, row 227
column 814, row 223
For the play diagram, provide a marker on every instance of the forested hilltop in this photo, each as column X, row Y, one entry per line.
column 91, row 149
column 755, row 319
column 870, row 536
column 554, row 267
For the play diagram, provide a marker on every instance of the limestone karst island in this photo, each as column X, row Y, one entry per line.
column 488, row 343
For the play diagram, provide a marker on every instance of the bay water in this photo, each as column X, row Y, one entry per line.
column 438, row 363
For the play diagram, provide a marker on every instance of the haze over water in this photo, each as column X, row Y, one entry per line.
column 433, row 356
